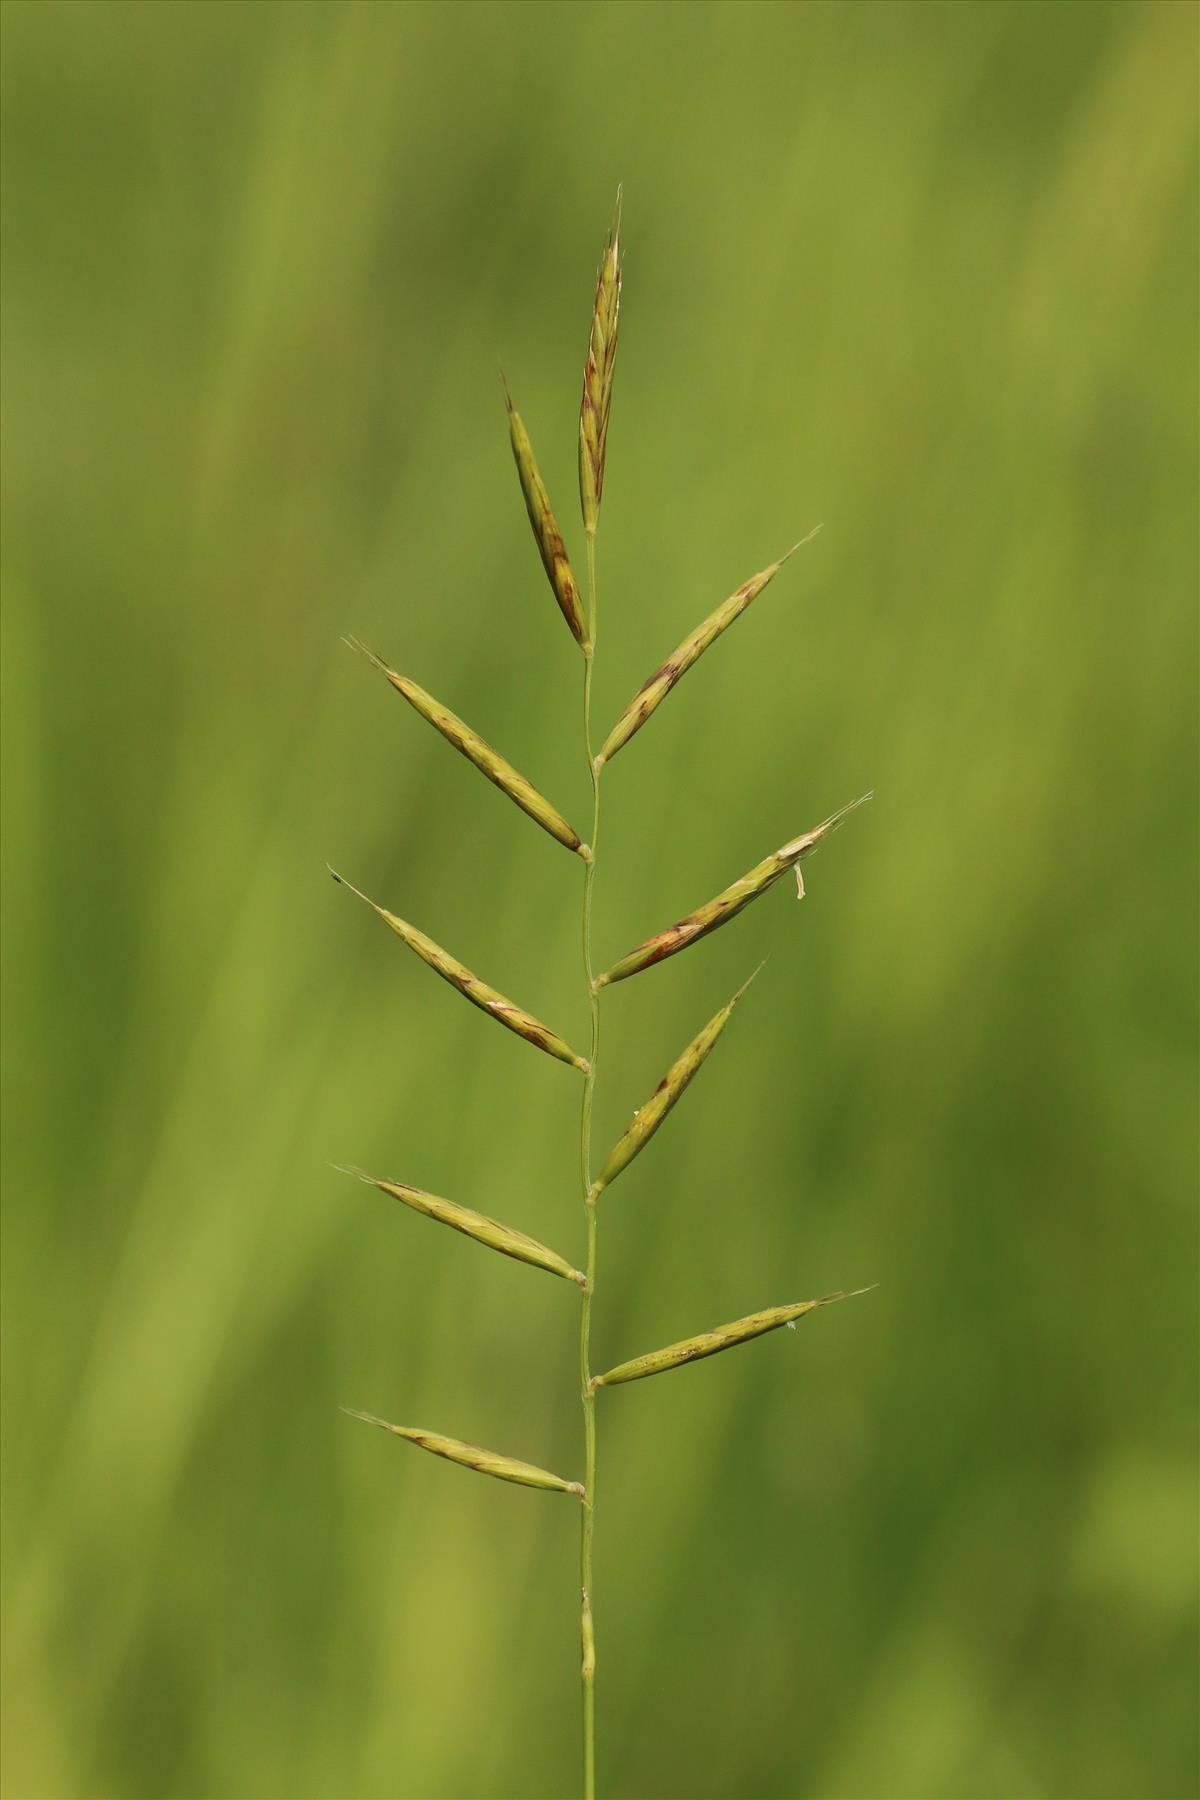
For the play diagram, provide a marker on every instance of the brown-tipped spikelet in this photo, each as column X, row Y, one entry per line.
column 545, row 526
column 478, row 751
column 476, row 1225
column 469, row 985
column 727, row 904
column 654, row 691
column 648, row 1118
column 484, row 1462
column 723, row 1337
column 598, row 377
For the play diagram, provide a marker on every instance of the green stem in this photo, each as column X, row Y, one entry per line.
column 585, row 1157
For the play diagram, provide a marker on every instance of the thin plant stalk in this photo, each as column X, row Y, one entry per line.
column 587, row 1391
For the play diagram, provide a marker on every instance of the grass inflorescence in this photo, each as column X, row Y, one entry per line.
column 581, row 618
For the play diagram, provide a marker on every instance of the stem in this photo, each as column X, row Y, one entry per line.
column 585, row 1159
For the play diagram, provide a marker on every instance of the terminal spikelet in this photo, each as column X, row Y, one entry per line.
column 598, row 377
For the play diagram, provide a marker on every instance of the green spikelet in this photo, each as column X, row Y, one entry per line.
column 470, row 1456
column 723, row 1337
column 545, row 527
column 727, row 904
column 654, row 691
column 513, row 1017
column 477, row 750
column 476, row 1225
column 648, row 1118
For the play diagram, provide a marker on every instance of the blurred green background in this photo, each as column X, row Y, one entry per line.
column 926, row 274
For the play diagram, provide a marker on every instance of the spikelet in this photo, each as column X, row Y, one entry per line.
column 648, row 1118
column 598, row 377
column 478, row 751
column 723, row 1337
column 476, row 1225
column 485, row 1462
column 469, row 985
column 727, row 904
column 653, row 692
column 545, row 526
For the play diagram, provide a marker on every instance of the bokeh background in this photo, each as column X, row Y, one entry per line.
column 925, row 274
